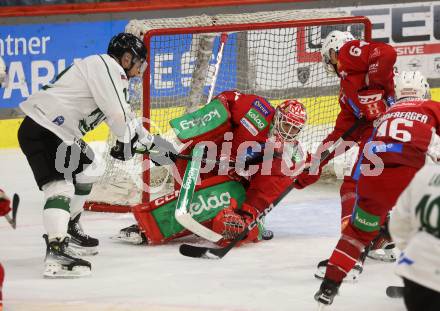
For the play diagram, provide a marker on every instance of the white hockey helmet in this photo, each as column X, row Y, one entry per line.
column 335, row 40
column 411, row 84
column 290, row 118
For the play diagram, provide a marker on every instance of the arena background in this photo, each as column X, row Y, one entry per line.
column 39, row 42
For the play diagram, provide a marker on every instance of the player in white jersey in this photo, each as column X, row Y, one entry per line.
column 88, row 92
column 415, row 228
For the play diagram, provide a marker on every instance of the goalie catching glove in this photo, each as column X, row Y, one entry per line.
column 231, row 221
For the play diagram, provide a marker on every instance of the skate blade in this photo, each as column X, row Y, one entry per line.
column 381, row 255
column 80, row 251
column 57, row 272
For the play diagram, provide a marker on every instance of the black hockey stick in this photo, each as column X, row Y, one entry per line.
column 394, row 291
column 218, row 253
column 13, row 220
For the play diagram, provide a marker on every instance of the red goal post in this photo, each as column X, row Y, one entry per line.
column 273, row 54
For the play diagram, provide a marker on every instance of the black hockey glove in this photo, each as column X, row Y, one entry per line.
column 124, row 151
column 162, row 152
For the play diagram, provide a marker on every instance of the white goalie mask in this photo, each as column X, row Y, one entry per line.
column 335, row 40
column 411, row 84
column 290, row 118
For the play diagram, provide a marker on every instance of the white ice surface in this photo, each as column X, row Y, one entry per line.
column 273, row 275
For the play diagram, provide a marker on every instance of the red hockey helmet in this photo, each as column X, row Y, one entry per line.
column 290, row 118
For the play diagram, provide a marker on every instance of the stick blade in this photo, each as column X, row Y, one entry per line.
column 197, row 252
column 394, row 291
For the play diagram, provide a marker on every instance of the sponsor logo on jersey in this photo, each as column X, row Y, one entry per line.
column 201, row 121
column 58, row 120
column 249, row 126
column 261, row 107
column 256, row 119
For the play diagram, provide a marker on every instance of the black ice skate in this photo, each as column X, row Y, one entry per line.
column 59, row 264
column 382, row 248
column 327, row 292
column 352, row 275
column 80, row 243
column 131, row 234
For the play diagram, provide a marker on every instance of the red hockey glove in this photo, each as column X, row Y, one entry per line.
column 231, row 221
column 309, row 175
column 5, row 204
column 372, row 103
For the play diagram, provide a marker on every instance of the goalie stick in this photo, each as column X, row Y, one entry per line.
column 182, row 214
column 12, row 220
column 218, row 253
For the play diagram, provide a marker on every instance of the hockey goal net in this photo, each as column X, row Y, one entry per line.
column 273, row 54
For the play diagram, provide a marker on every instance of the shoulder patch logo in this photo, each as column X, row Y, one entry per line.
column 261, row 107
column 256, row 119
column 249, row 126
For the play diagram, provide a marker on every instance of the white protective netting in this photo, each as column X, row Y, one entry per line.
column 272, row 54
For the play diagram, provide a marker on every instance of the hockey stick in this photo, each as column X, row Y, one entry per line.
column 223, row 39
column 218, row 253
column 184, row 200
column 13, row 220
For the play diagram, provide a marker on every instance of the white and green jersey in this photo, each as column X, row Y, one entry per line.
column 90, row 91
column 415, row 228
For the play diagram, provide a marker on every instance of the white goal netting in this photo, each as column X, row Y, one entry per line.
column 273, row 54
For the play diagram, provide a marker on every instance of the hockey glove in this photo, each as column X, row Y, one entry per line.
column 310, row 175
column 5, row 204
column 372, row 104
column 231, row 221
column 124, row 151
column 162, row 152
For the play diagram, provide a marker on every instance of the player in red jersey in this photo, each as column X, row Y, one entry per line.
column 404, row 137
column 252, row 129
column 5, row 208
column 366, row 72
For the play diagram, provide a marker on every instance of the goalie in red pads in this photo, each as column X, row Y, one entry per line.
column 249, row 131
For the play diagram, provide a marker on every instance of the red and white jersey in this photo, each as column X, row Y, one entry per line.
column 365, row 65
column 406, row 131
column 251, row 117
column 361, row 65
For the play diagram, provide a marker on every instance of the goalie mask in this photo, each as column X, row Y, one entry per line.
column 411, row 84
column 334, row 41
column 126, row 42
column 290, row 118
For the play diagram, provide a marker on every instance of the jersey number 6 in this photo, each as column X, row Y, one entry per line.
column 393, row 131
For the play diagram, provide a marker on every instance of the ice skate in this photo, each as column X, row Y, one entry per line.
column 80, row 244
column 383, row 248
column 327, row 292
column 352, row 276
column 59, row 264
